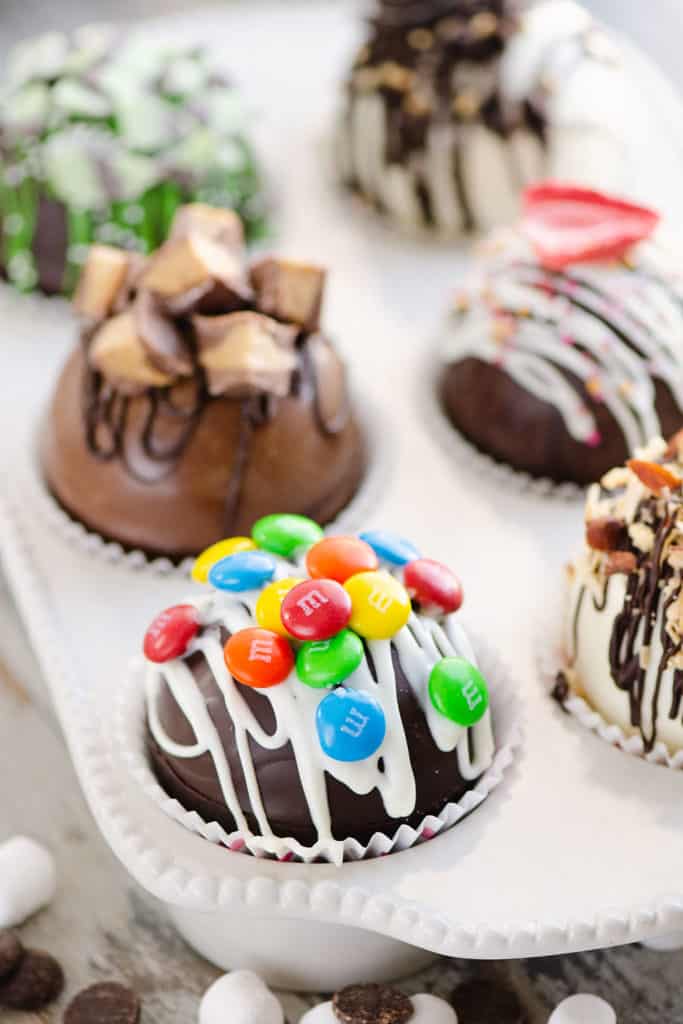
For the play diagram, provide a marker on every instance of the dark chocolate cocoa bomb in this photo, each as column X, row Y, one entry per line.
column 202, row 396
column 194, row 783
column 509, row 383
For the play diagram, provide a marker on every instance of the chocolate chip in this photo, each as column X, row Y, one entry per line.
column 561, row 690
column 104, row 1003
column 485, row 1001
column 11, row 952
column 371, row 1004
column 37, row 981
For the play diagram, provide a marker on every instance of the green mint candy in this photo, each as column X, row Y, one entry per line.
column 458, row 691
column 285, row 534
column 323, row 663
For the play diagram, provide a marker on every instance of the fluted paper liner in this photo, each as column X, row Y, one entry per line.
column 131, row 742
column 379, row 450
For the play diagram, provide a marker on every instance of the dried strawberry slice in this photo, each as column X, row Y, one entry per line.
column 567, row 224
column 653, row 476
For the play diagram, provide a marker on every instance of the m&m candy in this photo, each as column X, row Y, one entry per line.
column 338, row 558
column 269, row 605
column 351, row 725
column 171, row 632
column 458, row 691
column 224, row 548
column 380, row 605
column 323, row 663
column 390, row 547
column 258, row 657
column 285, row 534
column 433, row 585
column 316, row 610
column 247, row 570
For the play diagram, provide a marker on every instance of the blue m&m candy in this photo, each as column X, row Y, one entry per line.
column 351, row 725
column 390, row 547
column 246, row 570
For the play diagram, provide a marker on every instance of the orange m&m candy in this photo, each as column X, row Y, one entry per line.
column 258, row 657
column 339, row 558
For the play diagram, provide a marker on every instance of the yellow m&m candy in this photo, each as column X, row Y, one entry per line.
column 269, row 604
column 223, row 549
column 380, row 605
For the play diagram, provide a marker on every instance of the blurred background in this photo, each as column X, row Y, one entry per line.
column 655, row 24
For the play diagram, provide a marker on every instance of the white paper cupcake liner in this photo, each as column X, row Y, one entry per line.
column 355, row 515
column 470, row 457
column 131, row 743
column 551, row 661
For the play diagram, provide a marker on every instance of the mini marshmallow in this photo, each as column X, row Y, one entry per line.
column 582, row 1009
column 240, row 998
column 28, row 880
column 426, row 1010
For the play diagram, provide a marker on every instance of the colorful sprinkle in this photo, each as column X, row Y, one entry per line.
column 380, row 605
column 594, row 439
column 326, row 663
column 223, row 549
column 285, row 534
column 268, row 609
column 458, row 691
column 247, row 570
column 389, row 547
column 351, row 725
column 171, row 632
column 316, row 610
column 258, row 657
column 433, row 585
column 338, row 558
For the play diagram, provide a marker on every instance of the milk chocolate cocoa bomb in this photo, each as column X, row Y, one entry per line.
column 564, row 352
column 202, row 395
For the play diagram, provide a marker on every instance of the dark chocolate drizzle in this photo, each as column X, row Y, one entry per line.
column 109, row 435
column 634, row 629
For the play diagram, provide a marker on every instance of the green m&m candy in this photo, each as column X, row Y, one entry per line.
column 458, row 691
column 323, row 663
column 285, row 534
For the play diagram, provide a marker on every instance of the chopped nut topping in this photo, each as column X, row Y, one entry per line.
column 615, row 478
column 620, row 562
column 605, row 533
column 420, row 39
column 483, row 25
column 398, row 78
column 642, row 537
column 466, row 105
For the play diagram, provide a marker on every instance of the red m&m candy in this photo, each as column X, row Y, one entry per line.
column 433, row 585
column 170, row 633
column 316, row 610
column 258, row 657
column 338, row 558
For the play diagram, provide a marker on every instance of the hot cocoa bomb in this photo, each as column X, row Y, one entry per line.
column 564, row 353
column 305, row 713
column 202, row 395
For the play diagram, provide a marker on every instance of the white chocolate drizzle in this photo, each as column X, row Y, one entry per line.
column 614, row 327
column 419, row 645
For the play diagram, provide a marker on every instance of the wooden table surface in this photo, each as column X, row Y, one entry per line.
column 102, row 926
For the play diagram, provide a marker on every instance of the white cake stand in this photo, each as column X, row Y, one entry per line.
column 581, row 846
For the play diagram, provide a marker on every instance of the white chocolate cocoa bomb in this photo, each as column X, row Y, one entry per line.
column 624, row 664
column 559, row 90
column 28, row 880
column 240, row 998
column 427, row 1009
column 583, row 1009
